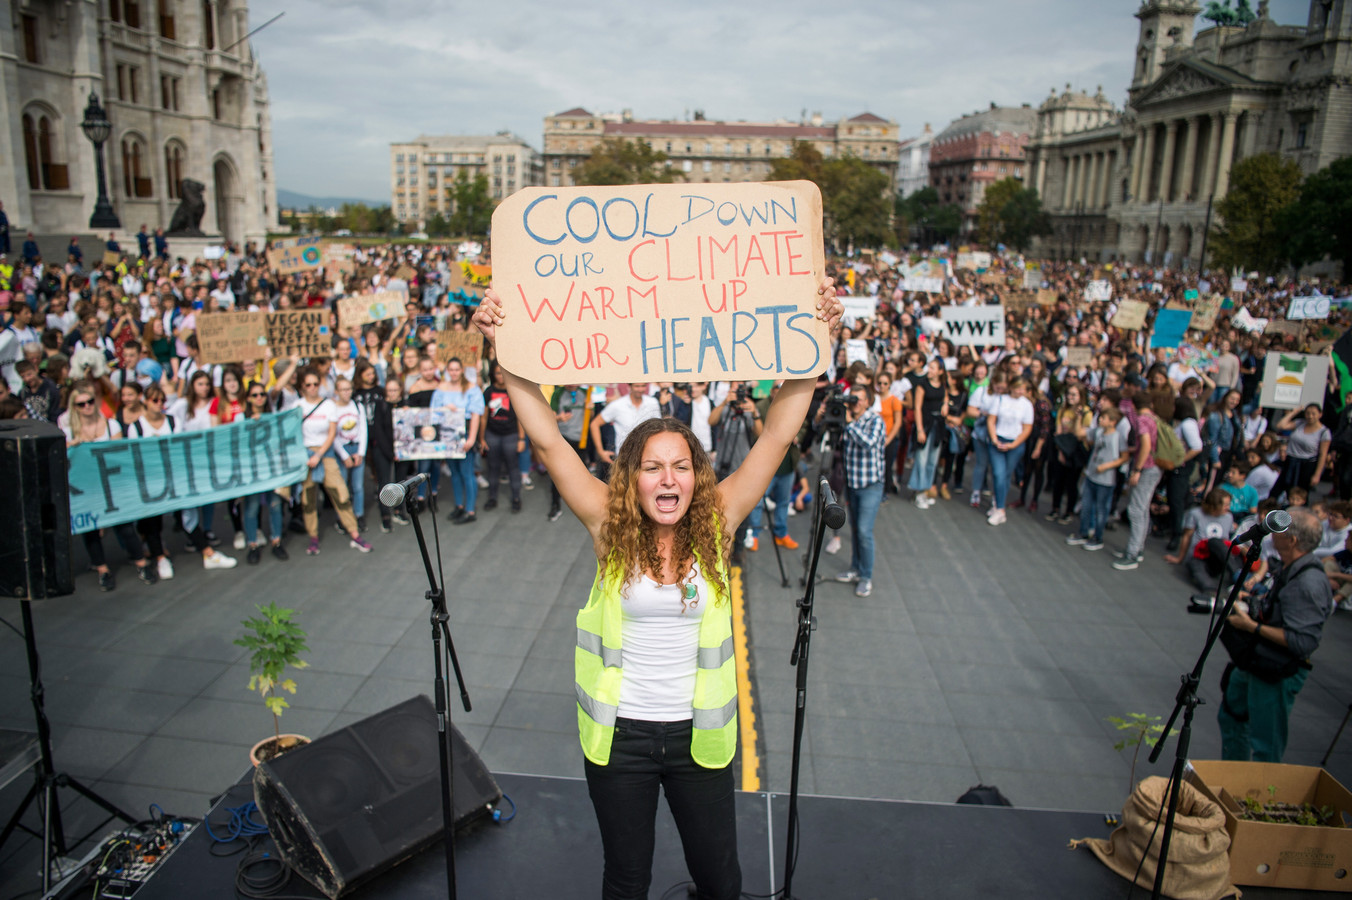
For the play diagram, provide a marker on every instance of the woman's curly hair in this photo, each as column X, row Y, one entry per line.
column 627, row 535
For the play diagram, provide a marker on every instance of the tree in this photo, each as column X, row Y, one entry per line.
column 1248, row 236
column 922, row 216
column 989, row 223
column 471, row 204
column 1022, row 219
column 438, row 225
column 624, row 162
column 1319, row 222
column 854, row 193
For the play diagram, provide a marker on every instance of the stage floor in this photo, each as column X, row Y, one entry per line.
column 849, row 848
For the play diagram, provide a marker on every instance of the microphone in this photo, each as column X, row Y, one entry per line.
column 1274, row 522
column 833, row 512
column 393, row 494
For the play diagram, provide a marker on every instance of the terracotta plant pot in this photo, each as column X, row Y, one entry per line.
column 275, row 746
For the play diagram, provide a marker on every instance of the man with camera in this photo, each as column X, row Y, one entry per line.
column 741, row 425
column 1270, row 641
column 864, row 444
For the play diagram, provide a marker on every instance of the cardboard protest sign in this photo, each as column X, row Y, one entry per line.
column 925, row 277
column 1293, row 380
column 1032, row 278
column 303, row 331
column 708, row 282
column 973, row 326
column 1170, row 326
column 1079, row 357
column 1316, row 307
column 1204, row 313
column 232, row 337
column 363, row 309
column 405, row 273
column 421, row 433
column 1282, row 326
column 859, row 307
column 111, row 258
column 479, row 274
column 1238, row 285
column 856, row 350
column 993, row 278
column 125, row 481
column 1130, row 315
column 466, row 346
column 1098, row 291
column 966, row 260
column 296, row 254
column 981, row 259
column 1046, row 297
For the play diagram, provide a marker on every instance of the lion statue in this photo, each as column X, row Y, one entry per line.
column 187, row 218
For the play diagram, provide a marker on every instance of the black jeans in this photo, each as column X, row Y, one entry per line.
column 502, row 453
column 643, row 757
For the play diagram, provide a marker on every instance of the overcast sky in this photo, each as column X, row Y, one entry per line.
column 348, row 77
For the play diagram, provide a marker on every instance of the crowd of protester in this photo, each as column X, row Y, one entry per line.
column 1166, row 443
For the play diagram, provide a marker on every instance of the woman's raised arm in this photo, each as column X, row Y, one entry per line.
column 584, row 493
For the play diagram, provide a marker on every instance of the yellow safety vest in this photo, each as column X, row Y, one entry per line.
column 599, row 667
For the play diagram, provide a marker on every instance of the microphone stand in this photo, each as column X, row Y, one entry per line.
column 1187, row 702
column 440, row 630
column 825, row 511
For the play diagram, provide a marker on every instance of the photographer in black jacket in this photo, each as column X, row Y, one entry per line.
column 1270, row 645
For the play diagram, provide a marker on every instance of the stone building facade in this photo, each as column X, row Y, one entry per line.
column 1138, row 184
column 913, row 162
column 184, row 93
column 423, row 171
column 711, row 151
column 976, row 151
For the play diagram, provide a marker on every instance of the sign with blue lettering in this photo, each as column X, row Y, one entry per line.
column 122, row 481
column 661, row 282
column 974, row 326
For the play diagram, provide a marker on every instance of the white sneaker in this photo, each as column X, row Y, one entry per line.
column 921, row 501
column 770, row 504
column 483, row 482
column 239, row 540
column 165, row 568
column 526, row 482
column 792, row 511
column 219, row 561
column 833, row 545
column 750, row 540
column 997, row 517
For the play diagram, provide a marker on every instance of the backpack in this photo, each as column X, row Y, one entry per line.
column 1169, row 450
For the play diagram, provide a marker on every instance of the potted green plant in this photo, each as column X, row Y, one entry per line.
column 274, row 642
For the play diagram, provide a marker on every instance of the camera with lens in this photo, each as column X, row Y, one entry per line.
column 837, row 402
column 741, row 394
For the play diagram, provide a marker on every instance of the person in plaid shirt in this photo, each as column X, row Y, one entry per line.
column 864, row 444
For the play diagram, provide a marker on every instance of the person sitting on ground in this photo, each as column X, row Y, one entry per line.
column 1338, row 567
column 1261, row 476
column 1206, row 535
column 1337, row 524
column 1243, row 496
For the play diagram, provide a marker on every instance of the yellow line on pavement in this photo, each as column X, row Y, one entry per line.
column 746, row 715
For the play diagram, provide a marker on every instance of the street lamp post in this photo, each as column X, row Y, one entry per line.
column 97, row 128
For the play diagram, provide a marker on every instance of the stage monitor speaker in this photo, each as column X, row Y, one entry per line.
column 358, row 802
column 34, row 511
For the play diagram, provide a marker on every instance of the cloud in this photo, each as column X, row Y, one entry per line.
column 348, row 77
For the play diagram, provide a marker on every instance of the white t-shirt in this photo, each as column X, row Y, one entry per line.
column 1254, row 426
column 660, row 647
column 700, row 408
column 1189, row 434
column 1011, row 414
column 314, row 430
column 1261, row 479
column 624, row 415
column 142, row 427
column 199, row 420
column 351, row 428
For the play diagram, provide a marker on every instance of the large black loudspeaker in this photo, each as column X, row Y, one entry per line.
column 358, row 802
column 34, row 511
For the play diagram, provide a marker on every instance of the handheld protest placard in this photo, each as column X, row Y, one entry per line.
column 661, row 282
column 363, row 309
column 296, row 254
column 1130, row 315
column 232, row 337
column 303, row 331
column 466, row 346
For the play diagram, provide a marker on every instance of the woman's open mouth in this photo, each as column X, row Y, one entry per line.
column 667, row 503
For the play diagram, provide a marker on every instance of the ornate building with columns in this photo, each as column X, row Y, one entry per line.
column 185, row 97
column 1140, row 184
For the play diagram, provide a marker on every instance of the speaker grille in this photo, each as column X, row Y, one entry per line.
column 355, row 803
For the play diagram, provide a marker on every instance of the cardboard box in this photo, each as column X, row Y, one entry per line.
column 1281, row 856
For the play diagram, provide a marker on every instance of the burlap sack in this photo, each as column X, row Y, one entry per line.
column 1198, row 867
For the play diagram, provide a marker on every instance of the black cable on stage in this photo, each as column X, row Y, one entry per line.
column 268, row 884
